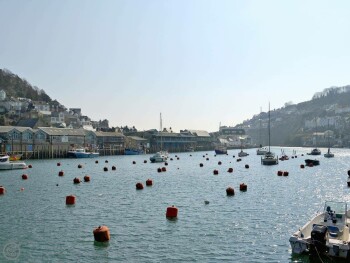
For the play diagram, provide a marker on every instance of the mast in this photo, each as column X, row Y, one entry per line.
column 269, row 126
column 260, row 129
column 161, row 138
column 316, row 132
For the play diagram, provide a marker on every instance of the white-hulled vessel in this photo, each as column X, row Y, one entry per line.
column 262, row 151
column 327, row 233
column 159, row 157
column 5, row 164
column 269, row 157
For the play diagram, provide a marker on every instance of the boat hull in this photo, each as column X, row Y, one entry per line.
column 82, row 155
column 13, row 166
column 217, row 151
column 313, row 162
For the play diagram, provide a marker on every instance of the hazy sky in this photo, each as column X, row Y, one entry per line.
column 199, row 63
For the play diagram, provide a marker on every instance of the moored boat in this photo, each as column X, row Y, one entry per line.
column 221, row 149
column 315, row 152
column 269, row 157
column 325, row 234
column 329, row 154
column 242, row 154
column 5, row 164
column 81, row 153
column 158, row 157
column 262, row 151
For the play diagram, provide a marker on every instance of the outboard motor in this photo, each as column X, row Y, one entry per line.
column 318, row 240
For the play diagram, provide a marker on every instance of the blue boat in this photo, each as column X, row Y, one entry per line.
column 81, row 153
column 128, row 151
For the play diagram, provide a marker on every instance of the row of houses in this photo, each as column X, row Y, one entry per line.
column 48, row 142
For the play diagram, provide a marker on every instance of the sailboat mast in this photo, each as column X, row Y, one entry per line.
column 269, row 126
column 260, row 129
column 160, row 129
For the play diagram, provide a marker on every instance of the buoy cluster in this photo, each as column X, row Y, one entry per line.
column 284, row 173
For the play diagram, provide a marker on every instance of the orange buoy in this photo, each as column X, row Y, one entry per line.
column 159, row 170
column 30, row 166
column 149, row 182
column 86, row 178
column 230, row 191
column 219, row 163
column 114, row 168
column 58, row 164
column 2, row 190
column 144, row 161
column 163, row 169
column 280, row 173
column 133, row 162
column 101, row 234
column 60, row 173
column 285, row 173
column 246, row 166
column 302, row 166
column 105, row 169
column 243, row 187
column 215, row 172
column 96, row 161
column 230, row 170
column 70, row 200
column 24, row 176
column 80, row 166
column 171, row 212
column 76, row 180
column 200, row 165
column 139, row 186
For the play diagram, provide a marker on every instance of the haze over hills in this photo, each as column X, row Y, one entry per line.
column 291, row 125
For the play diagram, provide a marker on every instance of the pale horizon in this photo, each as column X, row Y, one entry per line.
column 199, row 63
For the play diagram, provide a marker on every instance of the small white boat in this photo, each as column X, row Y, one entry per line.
column 262, row 151
column 327, row 233
column 242, row 154
column 159, row 157
column 5, row 164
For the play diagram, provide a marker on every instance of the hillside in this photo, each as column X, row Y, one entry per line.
column 14, row 86
column 293, row 124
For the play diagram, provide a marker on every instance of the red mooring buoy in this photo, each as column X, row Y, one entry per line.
column 58, row 164
column 219, row 163
column 86, row 178
column 230, row 191
column 302, row 166
column 285, row 173
column 280, row 173
column 246, row 166
column 149, row 182
column 215, row 172
column 349, row 172
column 171, row 212
column 30, row 166
column 133, row 162
column 243, row 187
column 139, row 186
column 163, row 169
column 24, row 176
column 70, row 200
column 2, row 190
column 200, row 165
column 60, row 173
column 80, row 166
column 76, row 180
column 159, row 170
column 101, row 234
column 230, row 170
column 96, row 161
column 105, row 169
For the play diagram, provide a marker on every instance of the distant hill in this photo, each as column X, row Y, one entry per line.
column 14, row 86
column 288, row 123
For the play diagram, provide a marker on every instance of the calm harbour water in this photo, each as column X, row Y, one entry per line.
column 252, row 226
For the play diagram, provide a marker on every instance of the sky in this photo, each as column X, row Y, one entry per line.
column 200, row 63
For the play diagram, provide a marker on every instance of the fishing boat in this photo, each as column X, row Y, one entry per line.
column 16, row 157
column 327, row 233
column 129, row 151
column 262, row 150
column 284, row 157
column 269, row 157
column 159, row 157
column 81, row 153
column 5, row 164
column 220, row 149
column 242, row 153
